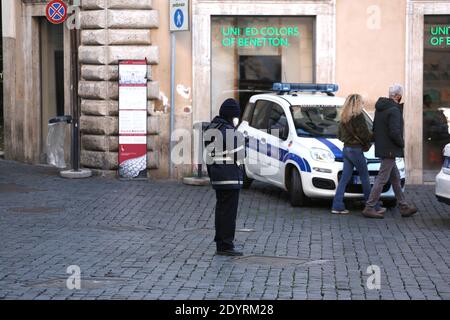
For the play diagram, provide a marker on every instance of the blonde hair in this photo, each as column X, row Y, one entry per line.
column 353, row 107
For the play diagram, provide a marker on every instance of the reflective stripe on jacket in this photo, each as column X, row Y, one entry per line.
column 224, row 171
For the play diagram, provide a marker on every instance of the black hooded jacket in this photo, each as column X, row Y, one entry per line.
column 388, row 129
column 225, row 172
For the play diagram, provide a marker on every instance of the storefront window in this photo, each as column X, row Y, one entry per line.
column 249, row 54
column 436, row 99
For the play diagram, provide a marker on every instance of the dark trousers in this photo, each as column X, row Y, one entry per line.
column 388, row 171
column 226, row 212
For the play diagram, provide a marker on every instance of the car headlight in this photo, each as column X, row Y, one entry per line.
column 322, row 155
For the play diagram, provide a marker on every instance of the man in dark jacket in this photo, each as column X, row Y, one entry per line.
column 224, row 153
column 389, row 145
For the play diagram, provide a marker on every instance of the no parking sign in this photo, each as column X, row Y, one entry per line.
column 56, row 11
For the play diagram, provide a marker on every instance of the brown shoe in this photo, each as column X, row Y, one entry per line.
column 407, row 211
column 372, row 213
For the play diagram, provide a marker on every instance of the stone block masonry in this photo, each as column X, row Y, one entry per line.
column 113, row 30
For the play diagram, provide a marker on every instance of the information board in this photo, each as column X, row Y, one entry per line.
column 133, row 119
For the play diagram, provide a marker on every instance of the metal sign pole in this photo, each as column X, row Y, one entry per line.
column 172, row 99
column 179, row 21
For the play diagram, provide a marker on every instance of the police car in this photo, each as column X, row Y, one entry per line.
column 291, row 143
column 443, row 179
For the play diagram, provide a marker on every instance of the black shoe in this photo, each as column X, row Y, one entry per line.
column 229, row 252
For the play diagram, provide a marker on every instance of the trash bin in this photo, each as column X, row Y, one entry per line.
column 56, row 140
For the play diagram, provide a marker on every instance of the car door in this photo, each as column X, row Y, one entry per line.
column 256, row 132
column 277, row 141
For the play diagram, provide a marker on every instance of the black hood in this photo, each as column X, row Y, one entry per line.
column 220, row 119
column 385, row 104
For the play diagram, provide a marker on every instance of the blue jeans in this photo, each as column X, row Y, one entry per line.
column 353, row 158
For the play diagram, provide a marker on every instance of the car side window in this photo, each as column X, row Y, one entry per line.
column 261, row 115
column 248, row 112
column 278, row 123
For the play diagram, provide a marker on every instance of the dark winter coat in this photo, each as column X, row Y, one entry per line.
column 356, row 126
column 225, row 172
column 388, row 129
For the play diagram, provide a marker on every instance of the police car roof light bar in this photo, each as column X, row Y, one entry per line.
column 282, row 87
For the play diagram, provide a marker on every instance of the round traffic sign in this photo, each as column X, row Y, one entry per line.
column 56, row 11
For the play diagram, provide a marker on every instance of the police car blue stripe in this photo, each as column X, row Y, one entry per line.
column 281, row 155
column 333, row 148
column 308, row 167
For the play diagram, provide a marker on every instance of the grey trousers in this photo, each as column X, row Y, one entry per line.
column 388, row 171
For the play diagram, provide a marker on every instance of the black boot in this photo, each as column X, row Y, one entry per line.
column 229, row 252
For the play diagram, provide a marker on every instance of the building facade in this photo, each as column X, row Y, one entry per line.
column 234, row 48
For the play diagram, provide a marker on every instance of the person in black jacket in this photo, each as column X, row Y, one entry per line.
column 224, row 152
column 389, row 145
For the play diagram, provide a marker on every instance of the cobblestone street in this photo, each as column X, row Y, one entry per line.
column 154, row 240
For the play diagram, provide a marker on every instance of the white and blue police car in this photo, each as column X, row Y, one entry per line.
column 443, row 178
column 291, row 143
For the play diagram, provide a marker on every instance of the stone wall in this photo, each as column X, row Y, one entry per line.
column 113, row 30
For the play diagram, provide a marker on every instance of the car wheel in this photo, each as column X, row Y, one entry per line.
column 247, row 181
column 296, row 194
column 389, row 203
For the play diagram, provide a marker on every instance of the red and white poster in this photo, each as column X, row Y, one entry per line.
column 133, row 119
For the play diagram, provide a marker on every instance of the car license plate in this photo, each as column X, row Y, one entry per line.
column 357, row 180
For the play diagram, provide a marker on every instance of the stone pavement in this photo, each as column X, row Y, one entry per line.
column 153, row 240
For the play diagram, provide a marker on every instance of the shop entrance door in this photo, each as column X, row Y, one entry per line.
column 52, row 77
column 256, row 75
column 436, row 99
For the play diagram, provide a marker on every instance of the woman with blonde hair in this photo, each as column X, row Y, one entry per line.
column 357, row 138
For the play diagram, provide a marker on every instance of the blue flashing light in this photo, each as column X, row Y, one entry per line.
column 301, row 87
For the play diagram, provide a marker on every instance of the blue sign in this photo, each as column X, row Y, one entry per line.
column 179, row 15
column 178, row 18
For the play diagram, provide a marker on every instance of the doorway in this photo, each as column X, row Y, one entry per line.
column 52, row 77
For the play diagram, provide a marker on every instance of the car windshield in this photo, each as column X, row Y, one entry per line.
column 319, row 121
